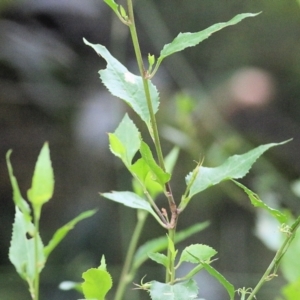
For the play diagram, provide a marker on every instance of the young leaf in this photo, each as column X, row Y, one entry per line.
column 291, row 291
column 21, row 251
column 145, row 177
column 161, row 243
column 113, row 5
column 97, row 283
column 64, row 230
column 116, row 147
column 184, row 40
column 159, row 258
column 42, row 186
column 159, row 175
column 125, row 85
column 180, row 291
column 197, row 252
column 131, row 200
column 130, row 137
column 257, row 202
column 17, row 197
column 236, row 166
column 226, row 284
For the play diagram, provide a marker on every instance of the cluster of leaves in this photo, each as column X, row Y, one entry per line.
column 27, row 251
column 151, row 176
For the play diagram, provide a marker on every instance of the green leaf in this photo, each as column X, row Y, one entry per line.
column 64, row 230
column 116, row 146
column 161, row 243
column 130, row 138
column 236, row 166
column 97, row 283
column 226, row 284
column 257, row 202
column 180, row 291
column 159, row 258
column 42, row 186
column 125, row 141
column 197, row 252
column 185, row 40
column 125, row 85
column 159, row 175
column 17, row 197
column 113, row 5
column 292, row 291
column 22, row 251
column 131, row 200
column 141, row 169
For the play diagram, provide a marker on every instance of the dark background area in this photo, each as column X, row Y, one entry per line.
column 243, row 85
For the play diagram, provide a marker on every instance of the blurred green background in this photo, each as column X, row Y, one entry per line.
column 238, row 89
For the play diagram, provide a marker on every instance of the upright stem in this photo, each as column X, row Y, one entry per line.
column 170, row 270
column 126, row 276
column 142, row 70
column 154, row 129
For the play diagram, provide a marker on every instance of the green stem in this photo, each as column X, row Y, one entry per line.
column 126, row 275
column 153, row 128
column 170, row 270
column 37, row 213
column 138, row 54
column 276, row 260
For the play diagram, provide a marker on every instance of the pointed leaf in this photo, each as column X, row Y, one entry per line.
column 180, row 291
column 159, row 258
column 196, row 253
column 97, row 283
column 112, row 4
column 226, row 284
column 257, row 202
column 125, row 85
column 236, row 166
column 17, row 197
column 116, row 147
column 22, row 251
column 42, row 186
column 184, row 40
column 130, row 138
column 64, row 230
column 131, row 200
column 161, row 243
column 159, row 175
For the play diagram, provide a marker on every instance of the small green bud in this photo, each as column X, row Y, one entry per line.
column 123, row 12
column 151, row 60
